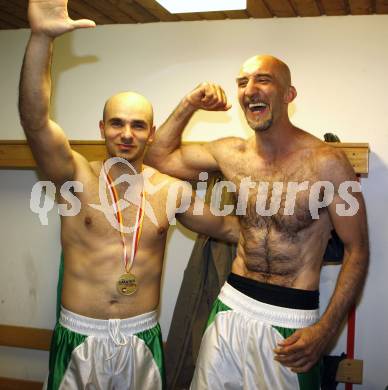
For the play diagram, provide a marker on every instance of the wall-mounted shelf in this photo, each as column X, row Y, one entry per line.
column 357, row 153
column 17, row 154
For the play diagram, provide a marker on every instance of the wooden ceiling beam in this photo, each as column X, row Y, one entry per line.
column 14, row 9
column 361, row 7
column 155, row 9
column 190, row 16
column 306, row 7
column 75, row 15
column 280, row 8
column 89, row 12
column 134, row 11
column 108, row 8
column 258, row 9
column 13, row 19
column 13, row 13
column 334, row 7
column 381, row 7
column 214, row 15
column 21, row 3
column 4, row 25
column 238, row 14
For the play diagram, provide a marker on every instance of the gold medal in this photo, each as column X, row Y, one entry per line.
column 127, row 284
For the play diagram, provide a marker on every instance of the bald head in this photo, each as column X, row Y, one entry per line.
column 124, row 101
column 270, row 63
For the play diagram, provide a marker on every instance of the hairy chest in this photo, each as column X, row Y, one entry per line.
column 285, row 196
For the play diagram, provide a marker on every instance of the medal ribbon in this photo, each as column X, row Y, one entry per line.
column 119, row 217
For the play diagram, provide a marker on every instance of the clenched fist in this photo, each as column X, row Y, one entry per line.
column 209, row 97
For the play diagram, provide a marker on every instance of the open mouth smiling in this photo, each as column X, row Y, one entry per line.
column 258, row 107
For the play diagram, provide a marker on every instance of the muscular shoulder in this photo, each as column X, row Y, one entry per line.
column 332, row 164
column 227, row 145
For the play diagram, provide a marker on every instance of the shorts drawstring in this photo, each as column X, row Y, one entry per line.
column 118, row 338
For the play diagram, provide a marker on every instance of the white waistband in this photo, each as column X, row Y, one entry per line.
column 274, row 315
column 95, row 327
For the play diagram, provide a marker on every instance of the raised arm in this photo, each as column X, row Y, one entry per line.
column 168, row 155
column 301, row 350
column 49, row 145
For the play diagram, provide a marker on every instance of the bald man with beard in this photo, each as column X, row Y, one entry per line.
column 264, row 331
column 107, row 336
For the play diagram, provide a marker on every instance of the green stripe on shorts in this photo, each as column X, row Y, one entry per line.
column 218, row 307
column 62, row 345
column 153, row 339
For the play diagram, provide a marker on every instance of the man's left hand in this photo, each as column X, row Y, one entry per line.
column 302, row 349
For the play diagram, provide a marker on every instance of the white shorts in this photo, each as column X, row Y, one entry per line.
column 88, row 353
column 237, row 347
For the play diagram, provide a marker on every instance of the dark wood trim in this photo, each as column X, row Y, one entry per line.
column 17, row 154
column 22, row 337
column 19, row 384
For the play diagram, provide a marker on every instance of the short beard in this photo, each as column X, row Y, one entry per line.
column 261, row 127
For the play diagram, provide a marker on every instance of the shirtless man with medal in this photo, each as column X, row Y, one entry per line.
column 107, row 336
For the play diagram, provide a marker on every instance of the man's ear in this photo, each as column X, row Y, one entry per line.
column 152, row 135
column 290, row 95
column 101, row 124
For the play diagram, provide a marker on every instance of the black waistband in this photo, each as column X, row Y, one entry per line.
column 272, row 294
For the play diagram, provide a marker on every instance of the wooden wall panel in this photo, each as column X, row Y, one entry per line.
column 357, row 154
column 22, row 337
column 17, row 154
column 19, row 384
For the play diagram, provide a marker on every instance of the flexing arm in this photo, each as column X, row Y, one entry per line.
column 302, row 350
column 225, row 228
column 51, row 149
column 193, row 213
column 168, row 155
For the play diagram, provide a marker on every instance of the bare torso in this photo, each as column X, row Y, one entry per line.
column 93, row 253
column 281, row 249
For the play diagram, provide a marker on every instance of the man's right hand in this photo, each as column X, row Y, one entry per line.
column 209, row 97
column 50, row 18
